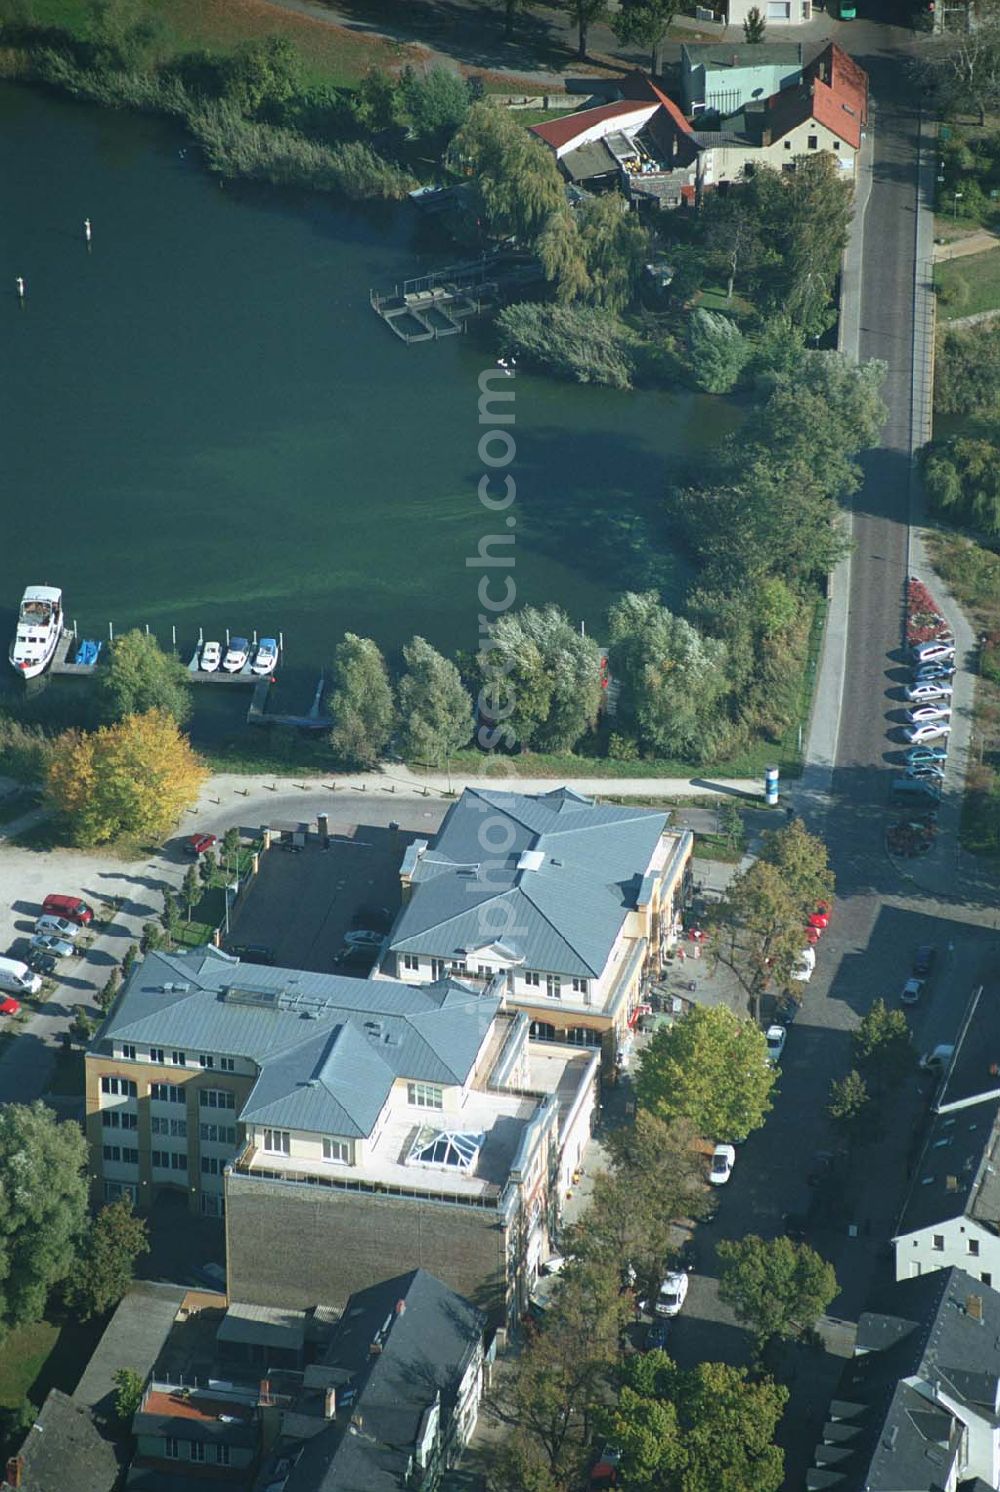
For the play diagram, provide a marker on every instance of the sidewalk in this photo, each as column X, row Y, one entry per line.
column 980, row 242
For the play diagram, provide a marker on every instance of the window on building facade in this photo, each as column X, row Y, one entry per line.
column 112, row 1152
column 179, row 1059
column 484, row 971
column 338, row 1150
column 411, row 961
column 166, row 1093
column 972, row 1245
column 211, row 1165
column 178, row 1160
column 986, row 1277
column 813, row 142
column 228, row 1064
column 425, row 1095
column 222, row 1455
column 938, row 1242
column 127, row 1051
column 220, row 1134
column 437, row 968
column 171, row 1448
column 115, row 1190
column 160, row 1160
column 212, row 1204
column 581, row 986
column 216, row 1098
column 532, row 978
column 277, row 1142
column 459, row 966
column 119, row 1119
column 123, row 1087
column 196, row 1450
column 553, row 986
column 206, row 1061
column 156, row 1054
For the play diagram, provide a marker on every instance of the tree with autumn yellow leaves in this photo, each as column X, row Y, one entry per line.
column 133, row 778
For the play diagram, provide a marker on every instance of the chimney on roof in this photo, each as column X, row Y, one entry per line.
column 15, row 1471
column 400, row 1307
column 974, row 1307
column 330, row 1403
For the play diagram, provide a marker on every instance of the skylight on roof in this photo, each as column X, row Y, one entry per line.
column 444, row 1150
column 531, row 860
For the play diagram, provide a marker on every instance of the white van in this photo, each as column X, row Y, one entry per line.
column 17, row 979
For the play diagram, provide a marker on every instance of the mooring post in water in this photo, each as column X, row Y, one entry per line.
column 19, row 282
column 111, row 632
column 86, row 229
column 173, row 638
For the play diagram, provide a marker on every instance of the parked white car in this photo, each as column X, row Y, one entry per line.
column 805, row 967
column 910, row 993
column 775, row 1036
column 931, row 730
column 927, row 690
column 723, row 1160
column 673, row 1293
column 59, row 927
column 934, row 652
column 921, row 714
column 211, row 656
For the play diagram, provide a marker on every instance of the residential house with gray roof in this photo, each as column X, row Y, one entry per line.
column 344, row 1128
column 720, row 77
column 393, row 1399
column 917, row 1409
column 951, row 1212
column 560, row 903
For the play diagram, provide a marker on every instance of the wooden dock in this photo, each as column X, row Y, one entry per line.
column 245, row 676
column 67, row 644
column 314, row 720
column 440, row 304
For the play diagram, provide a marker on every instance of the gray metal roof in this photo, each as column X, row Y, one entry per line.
column 974, row 1071
column 562, row 912
column 938, row 1333
column 953, row 1178
column 63, row 1449
column 723, row 56
column 328, row 1047
column 274, row 1326
column 426, row 1334
column 135, row 1335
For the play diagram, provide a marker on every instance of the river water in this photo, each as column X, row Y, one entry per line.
column 206, row 426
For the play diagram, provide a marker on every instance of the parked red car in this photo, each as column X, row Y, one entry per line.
column 200, row 844
column 821, row 917
column 10, row 1006
column 73, row 908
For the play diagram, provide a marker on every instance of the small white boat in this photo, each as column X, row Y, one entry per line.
column 266, row 657
column 211, row 656
column 39, row 628
column 237, row 654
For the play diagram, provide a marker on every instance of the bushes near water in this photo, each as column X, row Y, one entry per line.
column 585, row 343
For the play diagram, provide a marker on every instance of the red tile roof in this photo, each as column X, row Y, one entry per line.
column 840, row 72
column 560, row 132
column 793, row 107
column 637, row 85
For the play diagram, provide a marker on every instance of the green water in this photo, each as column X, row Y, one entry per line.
column 205, row 424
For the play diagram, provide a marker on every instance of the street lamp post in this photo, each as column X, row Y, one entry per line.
column 957, row 196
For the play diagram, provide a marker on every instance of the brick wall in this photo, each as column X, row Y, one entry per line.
column 294, row 1245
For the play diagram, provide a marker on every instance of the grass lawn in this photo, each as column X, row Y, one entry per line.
column 25, row 1352
column 331, row 54
column 968, row 286
column 46, row 1354
column 714, row 298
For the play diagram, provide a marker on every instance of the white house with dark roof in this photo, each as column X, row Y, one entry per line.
column 917, row 1409
column 558, row 903
column 252, row 1092
column 951, row 1213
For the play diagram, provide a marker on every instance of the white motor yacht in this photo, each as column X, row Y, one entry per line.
column 39, row 628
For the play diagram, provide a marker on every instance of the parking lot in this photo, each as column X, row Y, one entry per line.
column 303, row 901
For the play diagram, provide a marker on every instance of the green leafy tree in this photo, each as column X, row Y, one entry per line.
column 230, row 847
column 564, row 1374
column 170, row 917
column 656, row 1175
column 563, row 257
column 361, row 702
column 706, row 1429
column 615, row 246
column 208, row 868
column 130, row 959
column 375, row 101
column 134, row 778
column 851, row 1109
column 437, row 103
column 963, row 482
column 124, row 33
column 435, row 708
column 710, row 1068
column 43, row 1207
column 645, row 23
column 673, row 679
column 129, row 1389
column 584, row 14
column 801, row 860
column 584, row 343
column 883, row 1050
column 963, row 67
column 263, row 74
column 191, row 890
column 15, row 1422
column 511, row 10
column 540, row 678
column 754, row 26
column 81, row 1027
column 108, row 993
column 114, row 1241
column 776, row 1287
column 760, row 935
column 140, row 676
column 152, row 938
column 516, row 182
column 717, row 349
